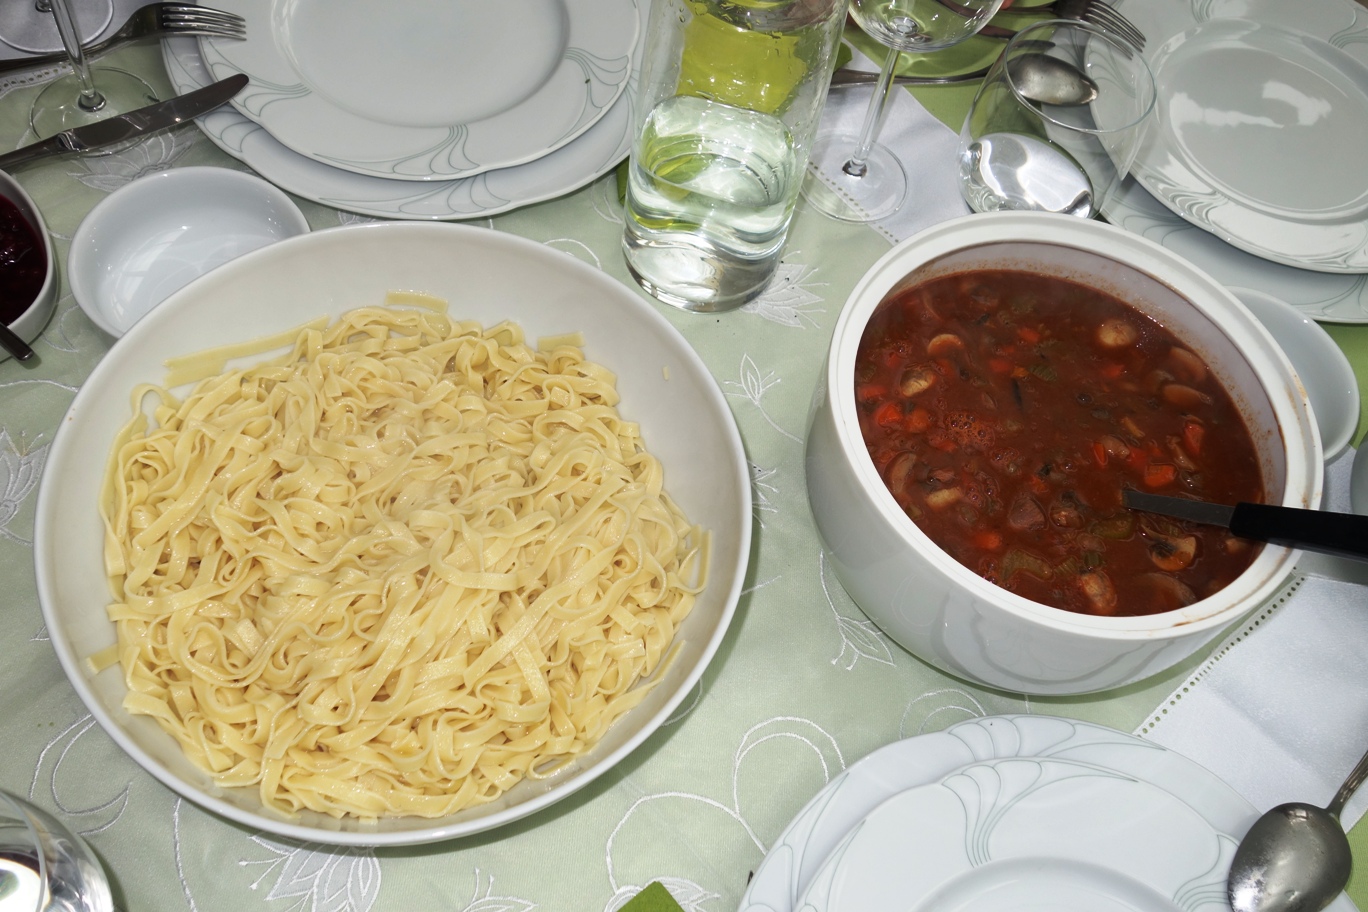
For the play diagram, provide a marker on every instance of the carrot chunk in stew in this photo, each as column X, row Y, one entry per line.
column 1007, row 411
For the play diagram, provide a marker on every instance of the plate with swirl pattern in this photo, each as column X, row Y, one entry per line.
column 971, row 786
column 427, row 90
column 1261, row 119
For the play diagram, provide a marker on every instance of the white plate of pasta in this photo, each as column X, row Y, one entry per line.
column 408, row 531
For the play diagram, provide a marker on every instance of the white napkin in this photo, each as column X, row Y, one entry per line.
column 1280, row 710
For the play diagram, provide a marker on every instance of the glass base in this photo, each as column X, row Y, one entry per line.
column 58, row 107
column 839, row 191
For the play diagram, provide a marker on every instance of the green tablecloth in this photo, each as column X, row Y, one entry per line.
column 803, row 686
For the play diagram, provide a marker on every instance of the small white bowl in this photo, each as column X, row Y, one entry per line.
column 30, row 323
column 153, row 236
column 1321, row 366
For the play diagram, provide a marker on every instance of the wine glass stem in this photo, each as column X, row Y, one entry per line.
column 91, row 99
column 873, row 122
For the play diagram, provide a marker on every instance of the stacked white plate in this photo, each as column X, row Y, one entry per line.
column 1011, row 813
column 423, row 110
column 1253, row 166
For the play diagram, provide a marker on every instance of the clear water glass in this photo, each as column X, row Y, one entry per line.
column 1019, row 153
column 45, row 867
column 730, row 96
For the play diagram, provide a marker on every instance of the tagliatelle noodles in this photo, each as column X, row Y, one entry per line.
column 395, row 571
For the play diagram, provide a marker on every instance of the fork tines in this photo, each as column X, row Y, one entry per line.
column 184, row 16
column 1104, row 16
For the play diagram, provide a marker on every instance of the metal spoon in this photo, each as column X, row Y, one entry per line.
column 1295, row 858
column 1038, row 76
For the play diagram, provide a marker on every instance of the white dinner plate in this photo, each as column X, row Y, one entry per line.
column 570, row 167
column 1324, row 296
column 427, row 89
column 1261, row 123
column 1028, row 833
column 800, row 852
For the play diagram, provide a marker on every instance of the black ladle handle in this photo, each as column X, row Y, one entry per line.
column 1343, row 534
column 13, row 344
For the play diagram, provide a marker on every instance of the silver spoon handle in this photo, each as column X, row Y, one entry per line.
column 1355, row 779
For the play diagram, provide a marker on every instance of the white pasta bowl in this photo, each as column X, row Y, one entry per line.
column 485, row 276
column 948, row 615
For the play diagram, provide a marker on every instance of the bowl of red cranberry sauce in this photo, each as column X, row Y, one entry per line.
column 28, row 269
column 992, row 387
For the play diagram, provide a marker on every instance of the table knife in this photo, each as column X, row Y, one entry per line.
column 131, row 126
column 1343, row 534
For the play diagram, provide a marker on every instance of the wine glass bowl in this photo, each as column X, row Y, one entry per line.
column 921, row 25
column 853, row 177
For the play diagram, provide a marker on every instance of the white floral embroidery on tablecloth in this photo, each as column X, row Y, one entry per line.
column 577, row 249
column 860, row 637
column 761, row 491
column 21, row 466
column 752, row 386
column 318, row 878
column 788, row 300
column 86, row 819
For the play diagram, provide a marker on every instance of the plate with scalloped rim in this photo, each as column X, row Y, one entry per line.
column 796, row 857
column 593, row 154
column 1322, row 296
column 447, row 90
column 1260, row 125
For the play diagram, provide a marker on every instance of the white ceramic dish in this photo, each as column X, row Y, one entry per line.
column 1323, row 369
column 1325, row 296
column 486, row 276
column 996, row 836
column 154, row 235
column 954, row 619
column 802, row 849
column 35, row 317
column 447, row 90
column 1263, row 110
column 567, row 169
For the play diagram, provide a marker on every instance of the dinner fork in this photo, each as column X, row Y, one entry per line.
column 1097, row 12
column 155, row 20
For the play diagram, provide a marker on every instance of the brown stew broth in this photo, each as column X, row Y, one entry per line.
column 1006, row 411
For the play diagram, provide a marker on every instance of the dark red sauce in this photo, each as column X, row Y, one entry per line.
column 23, row 266
column 1006, row 412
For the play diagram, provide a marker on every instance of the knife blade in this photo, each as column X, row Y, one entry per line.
column 1343, row 534
column 131, row 126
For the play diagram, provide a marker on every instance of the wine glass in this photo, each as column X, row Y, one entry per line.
column 89, row 93
column 44, row 867
column 855, row 178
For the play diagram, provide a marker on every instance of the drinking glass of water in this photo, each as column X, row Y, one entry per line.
column 730, row 95
column 44, row 867
column 1019, row 152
